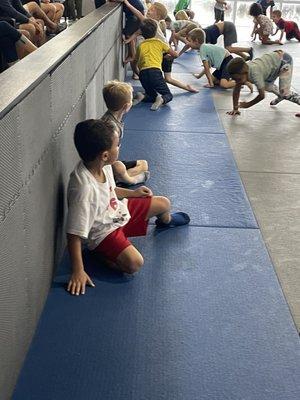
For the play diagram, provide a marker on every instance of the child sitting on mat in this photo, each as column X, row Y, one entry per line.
column 290, row 28
column 104, row 214
column 263, row 72
column 118, row 99
column 212, row 56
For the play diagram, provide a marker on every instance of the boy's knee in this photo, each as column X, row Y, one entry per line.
column 133, row 264
column 164, row 203
column 143, row 164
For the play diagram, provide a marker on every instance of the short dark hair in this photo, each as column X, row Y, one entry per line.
column 236, row 66
column 148, row 28
column 92, row 137
column 255, row 10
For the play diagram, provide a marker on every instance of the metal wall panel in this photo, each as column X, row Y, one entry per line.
column 10, row 162
column 37, row 156
column 35, row 132
column 62, row 93
column 15, row 334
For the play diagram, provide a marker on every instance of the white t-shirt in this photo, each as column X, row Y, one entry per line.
column 94, row 209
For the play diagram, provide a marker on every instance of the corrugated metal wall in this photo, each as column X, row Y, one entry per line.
column 37, row 155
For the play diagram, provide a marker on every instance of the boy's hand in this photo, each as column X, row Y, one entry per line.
column 234, row 112
column 142, row 191
column 78, row 281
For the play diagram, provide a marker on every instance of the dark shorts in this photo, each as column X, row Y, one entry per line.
column 132, row 24
column 166, row 64
column 230, row 35
column 294, row 33
column 113, row 245
column 219, row 15
column 129, row 164
column 8, row 38
column 211, row 34
column 222, row 73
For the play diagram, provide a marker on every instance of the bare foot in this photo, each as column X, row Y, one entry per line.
column 135, row 77
column 192, row 89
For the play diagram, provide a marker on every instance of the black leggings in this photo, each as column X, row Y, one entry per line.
column 153, row 82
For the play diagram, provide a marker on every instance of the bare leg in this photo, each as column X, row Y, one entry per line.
column 37, row 12
column 141, row 166
column 30, row 28
column 24, row 47
column 181, row 85
column 225, row 84
column 123, row 176
column 59, row 10
column 49, row 10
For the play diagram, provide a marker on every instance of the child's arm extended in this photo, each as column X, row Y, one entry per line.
column 207, row 73
column 142, row 191
column 79, row 277
column 132, row 37
column 235, row 99
column 257, row 99
column 136, row 12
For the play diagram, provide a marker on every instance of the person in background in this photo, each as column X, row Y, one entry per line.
column 289, row 28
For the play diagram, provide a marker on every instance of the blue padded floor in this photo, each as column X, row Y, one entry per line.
column 196, row 167
column 205, row 319
column 187, row 112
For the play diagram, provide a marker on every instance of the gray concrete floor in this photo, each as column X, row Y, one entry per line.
column 266, row 144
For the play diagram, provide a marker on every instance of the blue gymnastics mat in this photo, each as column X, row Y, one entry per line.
column 187, row 112
column 198, row 174
column 205, row 319
column 189, row 62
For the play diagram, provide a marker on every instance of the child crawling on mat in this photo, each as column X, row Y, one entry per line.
column 263, row 72
column 103, row 214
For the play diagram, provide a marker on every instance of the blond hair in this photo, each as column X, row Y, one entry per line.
column 161, row 10
column 163, row 26
column 187, row 29
column 181, row 15
column 197, row 34
column 116, row 94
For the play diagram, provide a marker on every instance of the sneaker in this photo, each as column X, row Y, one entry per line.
column 177, row 219
column 276, row 101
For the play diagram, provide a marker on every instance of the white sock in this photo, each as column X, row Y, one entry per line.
column 158, row 103
column 142, row 177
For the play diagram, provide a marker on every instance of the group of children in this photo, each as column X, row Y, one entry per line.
column 105, row 215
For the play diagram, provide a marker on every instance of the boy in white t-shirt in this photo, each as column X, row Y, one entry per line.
column 104, row 214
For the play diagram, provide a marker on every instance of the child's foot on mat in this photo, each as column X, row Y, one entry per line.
column 177, row 219
column 159, row 101
column 276, row 101
column 138, row 97
column 135, row 77
column 141, row 178
column 191, row 89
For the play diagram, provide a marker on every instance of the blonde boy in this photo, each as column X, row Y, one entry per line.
column 212, row 56
column 118, row 99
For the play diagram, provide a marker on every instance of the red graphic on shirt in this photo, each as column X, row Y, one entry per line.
column 113, row 203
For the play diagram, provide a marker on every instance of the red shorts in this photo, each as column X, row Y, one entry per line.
column 113, row 245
